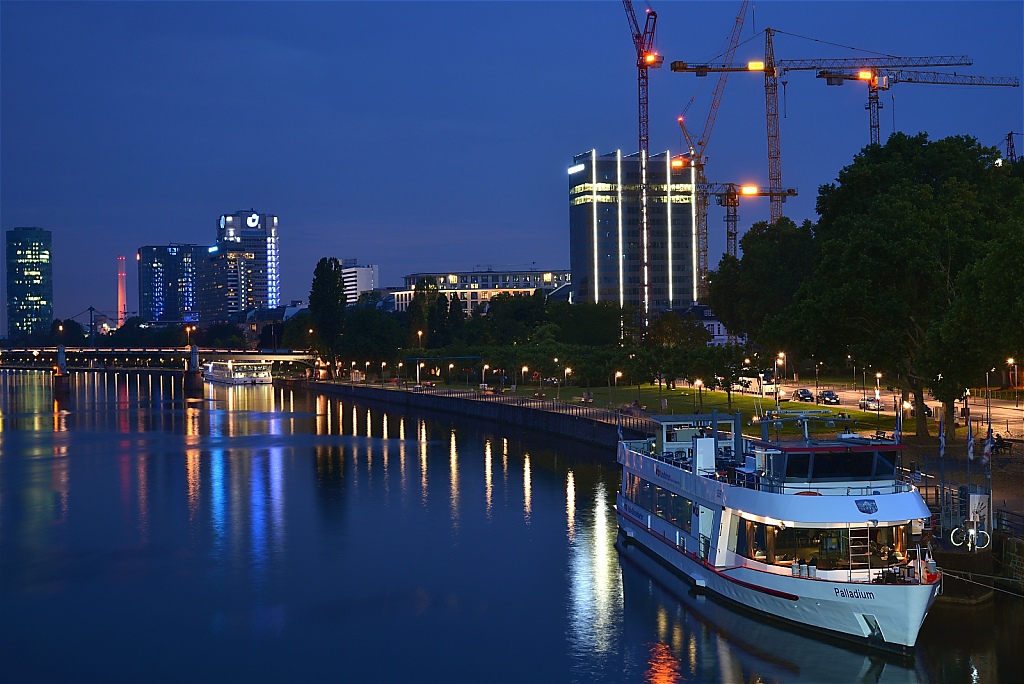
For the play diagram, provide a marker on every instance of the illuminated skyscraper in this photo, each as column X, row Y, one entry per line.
column 606, row 244
column 29, row 282
column 242, row 270
column 167, row 282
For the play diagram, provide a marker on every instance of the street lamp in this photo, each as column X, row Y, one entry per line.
column 778, row 358
column 816, row 364
column 366, row 373
column 698, row 383
column 1012, row 362
column 450, row 366
column 382, row 364
column 421, row 364
column 419, row 334
column 878, row 401
column 525, row 368
column 483, row 376
column 618, row 374
column 400, row 366
column 568, row 371
column 188, row 334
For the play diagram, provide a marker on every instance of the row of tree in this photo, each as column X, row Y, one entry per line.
column 915, row 266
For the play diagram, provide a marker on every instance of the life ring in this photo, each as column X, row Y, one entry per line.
column 808, row 493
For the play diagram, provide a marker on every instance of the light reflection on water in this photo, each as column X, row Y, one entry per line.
column 271, row 534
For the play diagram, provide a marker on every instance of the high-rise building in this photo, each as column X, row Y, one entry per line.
column 358, row 279
column 29, row 282
column 609, row 256
column 242, row 270
column 167, row 282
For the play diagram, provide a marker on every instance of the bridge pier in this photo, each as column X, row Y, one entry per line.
column 61, row 380
column 193, row 373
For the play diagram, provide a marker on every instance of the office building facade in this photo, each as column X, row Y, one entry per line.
column 358, row 279
column 29, row 282
column 610, row 257
column 168, row 283
column 476, row 288
column 242, row 270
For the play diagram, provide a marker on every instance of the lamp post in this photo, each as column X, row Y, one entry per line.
column 1012, row 362
column 366, row 374
column 618, row 374
column 483, row 376
column 988, row 399
column 418, row 367
column 382, row 364
column 525, row 368
column 188, row 334
column 419, row 334
column 400, row 366
column 699, row 384
column 878, row 401
column 450, row 366
column 777, row 359
column 816, row 381
column 565, row 381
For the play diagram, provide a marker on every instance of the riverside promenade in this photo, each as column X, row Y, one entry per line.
column 597, row 426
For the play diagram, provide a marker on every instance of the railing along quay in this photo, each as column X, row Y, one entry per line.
column 584, row 423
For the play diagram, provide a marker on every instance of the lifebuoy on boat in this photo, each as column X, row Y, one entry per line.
column 808, row 493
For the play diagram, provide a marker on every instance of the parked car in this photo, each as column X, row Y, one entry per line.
column 927, row 411
column 870, row 404
column 828, row 397
column 802, row 395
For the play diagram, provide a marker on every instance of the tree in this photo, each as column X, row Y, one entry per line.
column 901, row 238
column 751, row 295
column 327, row 308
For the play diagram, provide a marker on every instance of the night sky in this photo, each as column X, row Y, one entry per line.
column 426, row 136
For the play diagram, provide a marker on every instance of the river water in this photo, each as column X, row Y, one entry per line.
column 264, row 534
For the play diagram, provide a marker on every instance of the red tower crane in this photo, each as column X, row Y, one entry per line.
column 646, row 58
column 882, row 79
column 698, row 146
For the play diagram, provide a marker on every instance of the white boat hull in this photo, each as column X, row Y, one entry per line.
column 888, row 616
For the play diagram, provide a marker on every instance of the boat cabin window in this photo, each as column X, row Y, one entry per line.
column 833, row 465
column 667, row 505
column 797, row 466
column 829, row 548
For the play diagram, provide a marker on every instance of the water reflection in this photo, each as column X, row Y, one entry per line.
column 286, row 519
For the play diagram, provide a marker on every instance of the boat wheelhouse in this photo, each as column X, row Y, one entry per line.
column 239, row 372
column 820, row 533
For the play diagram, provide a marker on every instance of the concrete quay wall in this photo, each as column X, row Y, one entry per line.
column 574, row 422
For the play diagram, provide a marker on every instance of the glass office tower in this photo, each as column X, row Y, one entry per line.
column 606, row 242
column 29, row 282
column 167, row 282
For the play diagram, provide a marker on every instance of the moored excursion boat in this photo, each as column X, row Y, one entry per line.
column 239, row 372
column 818, row 533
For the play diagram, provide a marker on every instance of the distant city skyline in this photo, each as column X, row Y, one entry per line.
column 132, row 124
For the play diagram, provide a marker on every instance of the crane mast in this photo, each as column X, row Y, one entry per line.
column 646, row 58
column 697, row 148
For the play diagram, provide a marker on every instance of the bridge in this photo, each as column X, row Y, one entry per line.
column 152, row 358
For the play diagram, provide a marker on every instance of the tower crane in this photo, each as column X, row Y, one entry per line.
column 882, row 79
column 772, row 69
column 646, row 58
column 697, row 147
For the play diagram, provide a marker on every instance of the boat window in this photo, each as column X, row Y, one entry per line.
column 885, row 464
column 842, row 465
column 797, row 466
column 666, row 504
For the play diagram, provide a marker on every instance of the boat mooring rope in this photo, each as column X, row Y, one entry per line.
column 957, row 574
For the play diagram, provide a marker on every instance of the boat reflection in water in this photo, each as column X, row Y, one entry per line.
column 703, row 640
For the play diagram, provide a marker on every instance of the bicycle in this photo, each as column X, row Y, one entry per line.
column 971, row 533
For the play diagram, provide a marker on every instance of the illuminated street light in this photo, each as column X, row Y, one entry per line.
column 450, row 366
column 525, row 368
column 419, row 334
column 1012, row 362
column 878, row 401
column 698, row 384
column 483, row 376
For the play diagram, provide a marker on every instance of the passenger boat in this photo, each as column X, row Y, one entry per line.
column 822, row 534
column 239, row 372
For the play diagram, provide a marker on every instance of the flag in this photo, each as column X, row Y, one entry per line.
column 942, row 436
column 897, row 434
column 970, row 441
column 988, row 446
